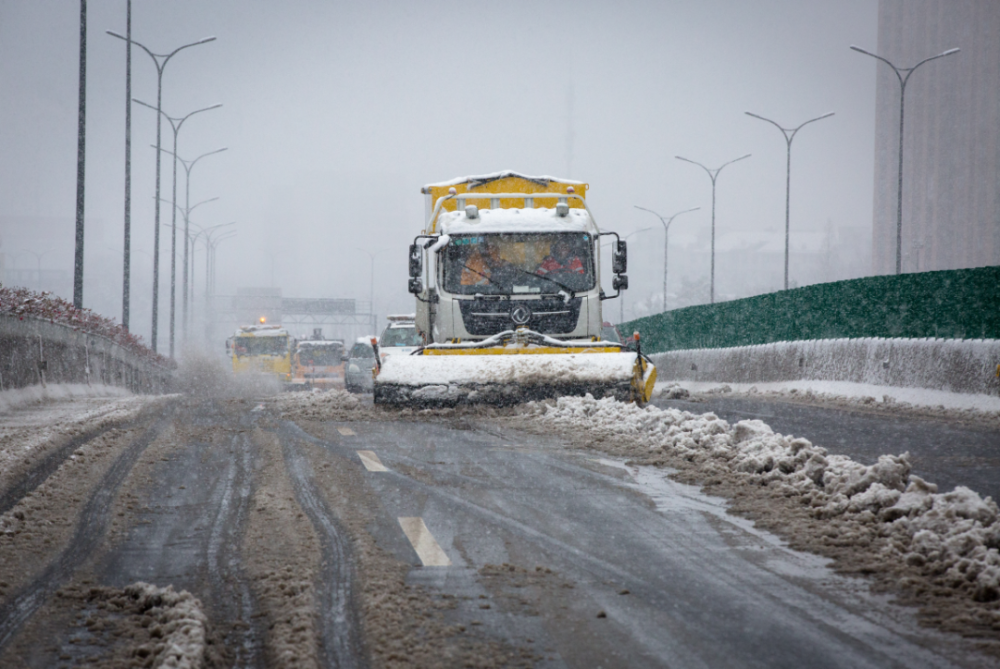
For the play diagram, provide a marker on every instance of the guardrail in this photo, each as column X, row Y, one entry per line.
column 35, row 351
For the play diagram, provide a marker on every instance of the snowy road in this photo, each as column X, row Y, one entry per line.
column 403, row 541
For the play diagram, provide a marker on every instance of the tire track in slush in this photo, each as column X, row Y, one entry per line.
column 89, row 535
column 340, row 639
column 229, row 583
column 37, row 475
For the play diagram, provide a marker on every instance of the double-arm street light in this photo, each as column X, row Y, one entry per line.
column 206, row 233
column 175, row 123
column 188, row 208
column 789, row 134
column 713, row 175
column 160, row 61
column 371, row 288
column 903, row 74
column 666, row 231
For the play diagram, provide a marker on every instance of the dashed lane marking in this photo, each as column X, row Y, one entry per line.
column 345, row 431
column 423, row 542
column 371, row 461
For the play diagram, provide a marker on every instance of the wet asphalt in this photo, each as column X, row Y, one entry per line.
column 645, row 572
column 944, row 452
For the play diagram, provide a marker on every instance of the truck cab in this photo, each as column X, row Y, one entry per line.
column 506, row 251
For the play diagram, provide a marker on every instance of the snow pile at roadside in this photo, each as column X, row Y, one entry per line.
column 15, row 398
column 317, row 404
column 182, row 621
column 844, row 392
column 24, row 432
column 952, row 537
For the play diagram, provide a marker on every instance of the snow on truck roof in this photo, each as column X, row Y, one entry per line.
column 478, row 180
column 516, row 220
column 261, row 331
column 320, row 343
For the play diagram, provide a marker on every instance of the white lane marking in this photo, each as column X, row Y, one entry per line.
column 345, row 431
column 423, row 542
column 371, row 461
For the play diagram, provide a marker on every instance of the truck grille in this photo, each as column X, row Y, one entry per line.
column 488, row 316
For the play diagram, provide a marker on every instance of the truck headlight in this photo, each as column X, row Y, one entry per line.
column 353, row 368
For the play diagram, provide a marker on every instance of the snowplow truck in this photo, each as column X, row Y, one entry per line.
column 507, row 279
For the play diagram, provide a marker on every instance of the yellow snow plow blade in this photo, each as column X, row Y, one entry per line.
column 513, row 367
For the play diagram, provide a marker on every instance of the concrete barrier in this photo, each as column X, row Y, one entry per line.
column 34, row 351
column 954, row 365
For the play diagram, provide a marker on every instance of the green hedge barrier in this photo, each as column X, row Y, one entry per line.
column 951, row 304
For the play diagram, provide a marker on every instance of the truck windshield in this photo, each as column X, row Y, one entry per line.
column 320, row 356
column 501, row 263
column 404, row 336
column 261, row 346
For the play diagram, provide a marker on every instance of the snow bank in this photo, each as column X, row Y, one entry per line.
column 182, row 621
column 954, row 535
column 839, row 391
column 16, row 398
column 954, row 365
column 319, row 405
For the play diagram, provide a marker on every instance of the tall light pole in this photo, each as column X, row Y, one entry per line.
column 160, row 65
column 666, row 232
column 81, row 154
column 713, row 175
column 188, row 166
column 206, row 233
column 214, row 245
column 789, row 134
column 127, row 245
column 186, row 210
column 371, row 288
column 210, row 247
column 176, row 123
column 903, row 74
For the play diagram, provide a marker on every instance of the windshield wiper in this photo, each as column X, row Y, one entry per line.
column 572, row 293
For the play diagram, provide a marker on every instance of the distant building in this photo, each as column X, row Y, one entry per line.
column 951, row 168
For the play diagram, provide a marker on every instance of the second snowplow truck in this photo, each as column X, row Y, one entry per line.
column 507, row 280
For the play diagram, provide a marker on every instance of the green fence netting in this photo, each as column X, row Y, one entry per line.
column 954, row 304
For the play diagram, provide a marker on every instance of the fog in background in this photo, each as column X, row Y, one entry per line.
column 335, row 114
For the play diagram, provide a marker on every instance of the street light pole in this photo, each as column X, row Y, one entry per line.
column 203, row 232
column 713, row 175
column 789, row 134
column 902, row 98
column 188, row 166
column 175, row 123
column 127, row 253
column 81, row 154
column 666, row 232
column 371, row 287
column 160, row 66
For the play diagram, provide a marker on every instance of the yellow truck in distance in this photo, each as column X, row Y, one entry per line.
column 262, row 349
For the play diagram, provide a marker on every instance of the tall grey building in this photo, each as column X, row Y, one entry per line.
column 951, row 166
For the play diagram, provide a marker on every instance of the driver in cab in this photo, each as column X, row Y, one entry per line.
column 481, row 265
column 561, row 260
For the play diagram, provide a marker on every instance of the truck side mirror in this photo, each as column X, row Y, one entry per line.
column 619, row 258
column 620, row 282
column 416, row 286
column 416, row 261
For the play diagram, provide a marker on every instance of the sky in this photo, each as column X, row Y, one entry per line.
column 336, row 113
